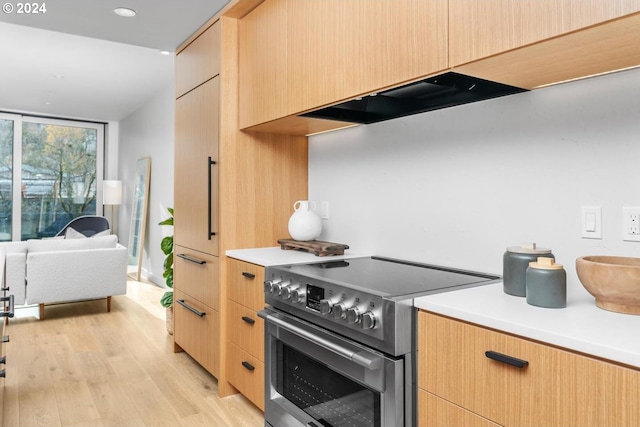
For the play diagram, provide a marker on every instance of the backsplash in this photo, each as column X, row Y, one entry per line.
column 457, row 186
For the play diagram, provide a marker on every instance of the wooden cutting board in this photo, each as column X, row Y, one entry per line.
column 316, row 247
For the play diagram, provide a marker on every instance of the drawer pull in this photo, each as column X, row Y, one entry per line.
column 191, row 259
column 5, row 338
column 249, row 320
column 248, row 275
column 10, row 311
column 248, row 365
column 509, row 360
column 191, row 309
column 3, row 374
column 3, row 360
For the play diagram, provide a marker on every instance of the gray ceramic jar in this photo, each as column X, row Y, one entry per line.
column 546, row 284
column 514, row 266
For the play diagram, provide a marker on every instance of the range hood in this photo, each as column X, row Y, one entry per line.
column 442, row 91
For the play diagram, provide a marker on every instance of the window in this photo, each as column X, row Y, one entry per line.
column 50, row 173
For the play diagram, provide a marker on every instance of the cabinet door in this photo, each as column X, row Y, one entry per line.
column 556, row 388
column 197, row 331
column 197, row 274
column 246, row 373
column 246, row 329
column 478, row 29
column 262, row 54
column 340, row 49
column 196, row 178
column 246, row 284
column 199, row 61
column 436, row 412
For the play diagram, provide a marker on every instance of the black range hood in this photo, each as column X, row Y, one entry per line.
column 434, row 93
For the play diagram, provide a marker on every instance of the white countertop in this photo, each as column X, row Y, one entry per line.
column 581, row 326
column 276, row 256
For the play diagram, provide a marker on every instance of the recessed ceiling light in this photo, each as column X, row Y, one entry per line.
column 124, row 11
column 165, row 52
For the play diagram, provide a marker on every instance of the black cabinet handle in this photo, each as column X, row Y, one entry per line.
column 3, row 374
column 249, row 320
column 4, row 289
column 509, row 360
column 5, row 338
column 192, row 259
column 248, row 365
column 191, row 309
column 210, row 231
column 248, row 275
column 3, row 360
column 10, row 312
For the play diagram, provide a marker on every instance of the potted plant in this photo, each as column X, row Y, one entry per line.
column 167, row 248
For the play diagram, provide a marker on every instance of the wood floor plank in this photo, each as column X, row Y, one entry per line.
column 81, row 366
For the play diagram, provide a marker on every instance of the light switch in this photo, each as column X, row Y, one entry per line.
column 591, row 222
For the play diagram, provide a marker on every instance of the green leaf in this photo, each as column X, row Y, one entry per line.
column 168, row 262
column 167, row 245
column 166, row 300
column 168, row 221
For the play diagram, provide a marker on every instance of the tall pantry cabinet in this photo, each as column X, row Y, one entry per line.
column 232, row 190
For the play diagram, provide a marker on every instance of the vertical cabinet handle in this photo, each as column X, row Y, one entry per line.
column 210, row 232
column 248, row 275
column 248, row 365
column 509, row 360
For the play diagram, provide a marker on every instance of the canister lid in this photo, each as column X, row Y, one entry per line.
column 528, row 248
column 545, row 263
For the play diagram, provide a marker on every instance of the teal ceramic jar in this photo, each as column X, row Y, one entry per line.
column 514, row 266
column 546, row 284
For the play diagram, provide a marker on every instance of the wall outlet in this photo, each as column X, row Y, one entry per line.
column 631, row 224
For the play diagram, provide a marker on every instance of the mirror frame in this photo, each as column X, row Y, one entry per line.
column 140, row 207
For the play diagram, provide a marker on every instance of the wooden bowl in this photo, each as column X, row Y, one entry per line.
column 613, row 281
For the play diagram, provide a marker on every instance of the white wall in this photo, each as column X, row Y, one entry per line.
column 149, row 132
column 457, row 186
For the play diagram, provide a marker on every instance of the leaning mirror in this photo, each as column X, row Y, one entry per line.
column 139, row 216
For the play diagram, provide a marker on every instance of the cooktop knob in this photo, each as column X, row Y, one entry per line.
column 325, row 306
column 278, row 287
column 368, row 320
column 268, row 284
column 285, row 292
column 353, row 315
column 297, row 295
column 339, row 310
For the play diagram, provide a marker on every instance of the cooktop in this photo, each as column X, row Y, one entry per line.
column 389, row 277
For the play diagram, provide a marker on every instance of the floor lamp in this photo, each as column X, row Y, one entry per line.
column 112, row 195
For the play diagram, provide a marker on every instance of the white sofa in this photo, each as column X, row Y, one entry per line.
column 65, row 270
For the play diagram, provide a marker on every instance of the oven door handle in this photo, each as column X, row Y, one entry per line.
column 362, row 358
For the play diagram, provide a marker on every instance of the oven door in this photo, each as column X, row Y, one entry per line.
column 314, row 378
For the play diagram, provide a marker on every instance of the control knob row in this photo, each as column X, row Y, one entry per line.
column 353, row 315
column 285, row 290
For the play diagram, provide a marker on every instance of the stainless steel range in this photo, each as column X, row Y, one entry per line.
column 340, row 340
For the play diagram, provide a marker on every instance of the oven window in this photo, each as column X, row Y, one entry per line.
column 330, row 398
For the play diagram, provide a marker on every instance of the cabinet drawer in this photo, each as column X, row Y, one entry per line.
column 555, row 388
column 246, row 284
column 197, row 335
column 199, row 61
column 246, row 330
column 248, row 381
column 196, row 274
column 436, row 412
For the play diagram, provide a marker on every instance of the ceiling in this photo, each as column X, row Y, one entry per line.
column 80, row 60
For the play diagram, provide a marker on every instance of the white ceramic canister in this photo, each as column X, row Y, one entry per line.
column 546, row 284
column 514, row 266
column 304, row 224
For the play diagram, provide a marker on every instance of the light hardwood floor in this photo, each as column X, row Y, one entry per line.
column 82, row 366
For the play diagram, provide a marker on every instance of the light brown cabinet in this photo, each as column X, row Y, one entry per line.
column 555, row 388
column 297, row 56
column 248, row 191
column 245, row 364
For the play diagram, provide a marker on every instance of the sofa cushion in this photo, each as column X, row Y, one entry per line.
column 14, row 247
column 103, row 242
column 72, row 233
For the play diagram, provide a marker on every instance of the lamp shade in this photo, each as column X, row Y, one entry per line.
column 111, row 192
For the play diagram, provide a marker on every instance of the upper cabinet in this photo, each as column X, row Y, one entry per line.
column 199, row 62
column 479, row 29
column 295, row 56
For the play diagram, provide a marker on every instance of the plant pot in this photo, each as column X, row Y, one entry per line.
column 170, row 320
